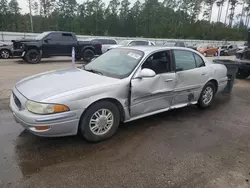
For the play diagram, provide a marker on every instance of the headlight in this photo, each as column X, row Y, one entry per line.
column 42, row 108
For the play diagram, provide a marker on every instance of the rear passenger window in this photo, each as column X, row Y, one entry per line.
column 67, row 37
column 199, row 60
column 184, row 60
column 138, row 43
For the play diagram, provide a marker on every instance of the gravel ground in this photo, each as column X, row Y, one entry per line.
column 188, row 147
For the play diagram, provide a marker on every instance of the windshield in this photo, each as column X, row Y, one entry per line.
column 124, row 42
column 42, row 35
column 117, row 63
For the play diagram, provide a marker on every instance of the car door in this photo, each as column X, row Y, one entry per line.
column 232, row 50
column 51, row 44
column 59, row 44
column 149, row 95
column 191, row 75
column 67, row 42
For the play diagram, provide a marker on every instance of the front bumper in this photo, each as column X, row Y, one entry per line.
column 61, row 124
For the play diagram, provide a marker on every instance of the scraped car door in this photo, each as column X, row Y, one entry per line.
column 152, row 94
column 191, row 76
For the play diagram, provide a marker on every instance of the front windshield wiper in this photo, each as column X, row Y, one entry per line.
column 94, row 71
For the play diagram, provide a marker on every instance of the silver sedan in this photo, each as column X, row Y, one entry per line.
column 121, row 85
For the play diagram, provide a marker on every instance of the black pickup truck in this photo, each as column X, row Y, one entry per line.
column 52, row 43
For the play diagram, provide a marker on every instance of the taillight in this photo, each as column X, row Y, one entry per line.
column 101, row 46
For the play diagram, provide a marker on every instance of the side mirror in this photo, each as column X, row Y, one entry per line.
column 47, row 40
column 146, row 73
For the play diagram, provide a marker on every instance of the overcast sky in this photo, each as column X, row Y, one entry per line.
column 24, row 6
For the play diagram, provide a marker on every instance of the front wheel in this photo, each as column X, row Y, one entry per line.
column 207, row 95
column 5, row 54
column 32, row 56
column 100, row 121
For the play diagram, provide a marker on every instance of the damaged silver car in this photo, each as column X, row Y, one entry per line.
column 121, row 85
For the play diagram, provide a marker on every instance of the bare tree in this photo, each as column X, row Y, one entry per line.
column 220, row 5
column 30, row 13
column 209, row 7
column 233, row 4
column 228, row 3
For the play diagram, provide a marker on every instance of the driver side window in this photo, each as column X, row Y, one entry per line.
column 158, row 62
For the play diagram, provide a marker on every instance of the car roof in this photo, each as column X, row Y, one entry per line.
column 136, row 40
column 151, row 49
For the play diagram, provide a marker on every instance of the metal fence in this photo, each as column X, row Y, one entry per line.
column 8, row 36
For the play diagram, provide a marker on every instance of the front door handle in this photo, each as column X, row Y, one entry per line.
column 204, row 74
column 169, row 80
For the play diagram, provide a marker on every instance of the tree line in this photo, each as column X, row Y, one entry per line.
column 150, row 18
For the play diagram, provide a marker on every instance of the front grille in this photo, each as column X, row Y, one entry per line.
column 17, row 101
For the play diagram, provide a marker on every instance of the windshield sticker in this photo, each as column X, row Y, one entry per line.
column 133, row 55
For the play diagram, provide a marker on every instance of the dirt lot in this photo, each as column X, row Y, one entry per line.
column 188, row 147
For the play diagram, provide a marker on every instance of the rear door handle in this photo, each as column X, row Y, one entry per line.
column 169, row 80
column 204, row 74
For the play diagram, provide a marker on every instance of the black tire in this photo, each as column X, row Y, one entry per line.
column 84, row 127
column 201, row 102
column 32, row 56
column 88, row 54
column 5, row 54
column 242, row 75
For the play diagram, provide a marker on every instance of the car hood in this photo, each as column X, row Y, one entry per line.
column 25, row 40
column 42, row 86
column 6, row 47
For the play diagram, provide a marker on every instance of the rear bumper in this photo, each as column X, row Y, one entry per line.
column 222, row 85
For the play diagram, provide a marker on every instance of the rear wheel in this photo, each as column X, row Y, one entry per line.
column 100, row 121
column 32, row 56
column 88, row 54
column 5, row 54
column 207, row 95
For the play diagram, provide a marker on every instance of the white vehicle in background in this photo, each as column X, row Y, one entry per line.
column 106, row 43
column 132, row 43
